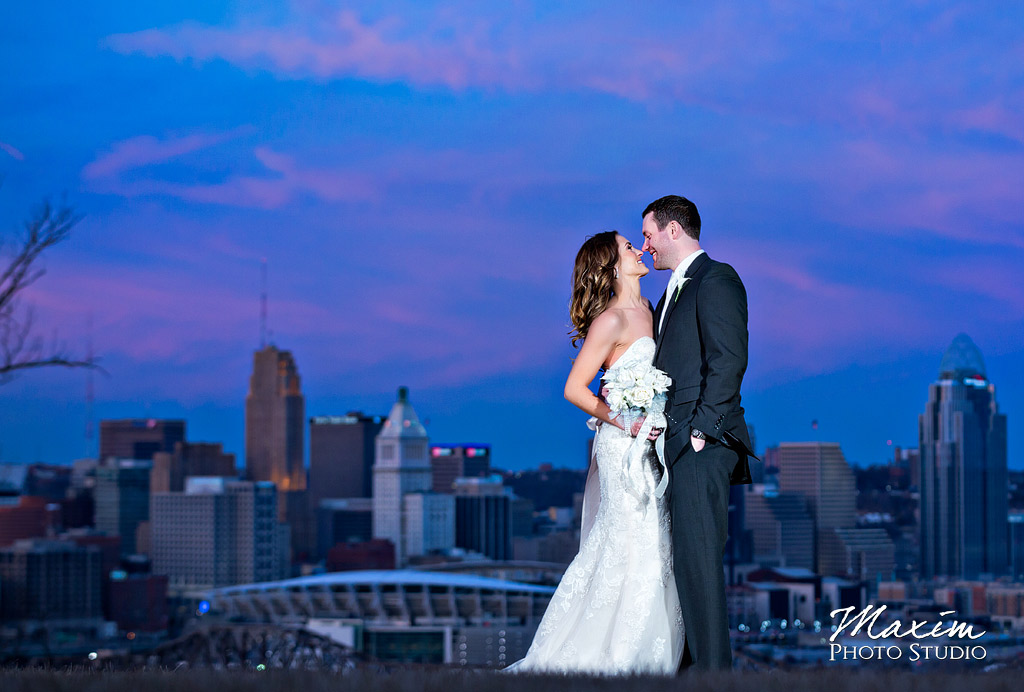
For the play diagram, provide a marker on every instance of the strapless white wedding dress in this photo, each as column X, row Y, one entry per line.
column 616, row 610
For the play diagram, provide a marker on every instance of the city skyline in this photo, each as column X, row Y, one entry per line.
column 419, row 179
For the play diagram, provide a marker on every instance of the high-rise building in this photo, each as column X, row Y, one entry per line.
column 448, row 462
column 32, row 517
column 341, row 452
column 819, row 472
column 963, row 470
column 218, row 532
column 1016, row 546
column 483, row 517
column 401, row 466
column 293, row 509
column 48, row 480
column 909, row 460
column 347, row 520
column 274, row 421
column 189, row 459
column 139, row 438
column 428, row 520
column 48, row 581
column 867, row 554
column 781, row 528
column 122, row 498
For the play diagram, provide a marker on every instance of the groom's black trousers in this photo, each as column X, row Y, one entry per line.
column 699, row 492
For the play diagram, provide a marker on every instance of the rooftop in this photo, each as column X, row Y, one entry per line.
column 962, row 359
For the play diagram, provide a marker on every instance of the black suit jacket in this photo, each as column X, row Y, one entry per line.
column 703, row 348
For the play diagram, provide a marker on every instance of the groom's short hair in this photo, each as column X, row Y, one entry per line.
column 678, row 209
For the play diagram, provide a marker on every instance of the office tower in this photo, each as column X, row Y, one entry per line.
column 347, row 520
column 218, row 532
column 139, row 602
column 866, row 554
column 1016, row 546
column 79, row 504
column 49, row 481
column 739, row 544
column 122, row 498
column 781, row 529
column 375, row 554
column 341, row 451
column 48, row 580
column 963, row 470
column 448, row 462
column 483, row 517
column 819, row 472
column 522, row 509
column 32, row 517
column 139, row 438
column 294, row 510
column 428, row 523
column 189, row 459
column 909, row 460
column 401, row 466
column 274, row 419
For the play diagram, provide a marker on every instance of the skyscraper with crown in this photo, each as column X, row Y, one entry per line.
column 275, row 421
column 402, row 469
column 963, row 470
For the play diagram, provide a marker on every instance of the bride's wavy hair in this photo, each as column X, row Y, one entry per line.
column 593, row 279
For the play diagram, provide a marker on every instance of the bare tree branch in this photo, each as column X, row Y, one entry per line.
column 19, row 348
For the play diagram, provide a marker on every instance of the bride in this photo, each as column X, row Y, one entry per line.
column 616, row 610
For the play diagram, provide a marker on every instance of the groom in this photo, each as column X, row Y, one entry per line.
column 700, row 327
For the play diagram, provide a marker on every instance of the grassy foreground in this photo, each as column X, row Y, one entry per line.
column 417, row 680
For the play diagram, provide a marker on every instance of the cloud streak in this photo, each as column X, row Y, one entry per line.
column 11, row 151
column 123, row 171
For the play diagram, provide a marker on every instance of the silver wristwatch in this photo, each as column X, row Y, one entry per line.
column 697, row 434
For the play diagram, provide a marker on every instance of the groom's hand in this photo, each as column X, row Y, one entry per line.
column 696, row 443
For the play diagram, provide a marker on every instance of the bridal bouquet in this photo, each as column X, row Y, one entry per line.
column 633, row 392
column 638, row 390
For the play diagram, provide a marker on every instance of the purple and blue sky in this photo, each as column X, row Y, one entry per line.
column 419, row 177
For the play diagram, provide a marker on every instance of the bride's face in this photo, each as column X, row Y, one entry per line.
column 631, row 262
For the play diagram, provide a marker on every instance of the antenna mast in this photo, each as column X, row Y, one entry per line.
column 90, row 395
column 263, row 304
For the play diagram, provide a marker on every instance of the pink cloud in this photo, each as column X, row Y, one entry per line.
column 11, row 151
column 965, row 194
column 458, row 53
column 146, row 150
column 349, row 48
column 284, row 180
column 991, row 117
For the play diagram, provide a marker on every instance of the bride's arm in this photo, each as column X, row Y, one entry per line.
column 601, row 340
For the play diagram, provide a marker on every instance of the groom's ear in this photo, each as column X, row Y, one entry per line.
column 674, row 229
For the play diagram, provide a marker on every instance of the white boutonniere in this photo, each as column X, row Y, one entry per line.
column 679, row 288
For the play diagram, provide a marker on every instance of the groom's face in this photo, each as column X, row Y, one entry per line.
column 658, row 242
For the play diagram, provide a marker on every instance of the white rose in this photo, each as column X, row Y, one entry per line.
column 615, row 399
column 643, row 396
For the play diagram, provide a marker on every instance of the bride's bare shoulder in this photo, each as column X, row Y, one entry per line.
column 610, row 322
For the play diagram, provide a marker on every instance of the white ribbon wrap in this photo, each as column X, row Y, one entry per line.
column 639, row 481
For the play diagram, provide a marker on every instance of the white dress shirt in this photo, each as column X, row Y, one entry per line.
column 677, row 277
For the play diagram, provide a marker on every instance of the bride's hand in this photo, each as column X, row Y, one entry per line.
column 637, row 424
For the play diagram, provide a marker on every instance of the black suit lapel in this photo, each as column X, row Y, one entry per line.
column 696, row 264
column 670, row 304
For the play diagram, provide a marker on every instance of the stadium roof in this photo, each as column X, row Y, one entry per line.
column 403, row 577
